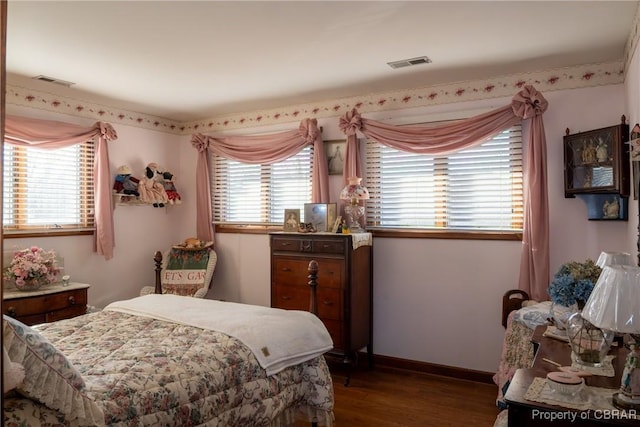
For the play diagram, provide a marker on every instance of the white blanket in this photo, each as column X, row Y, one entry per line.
column 278, row 338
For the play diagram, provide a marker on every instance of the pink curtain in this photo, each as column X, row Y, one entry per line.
column 528, row 104
column 27, row 132
column 257, row 149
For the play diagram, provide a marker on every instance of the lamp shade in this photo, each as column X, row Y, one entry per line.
column 614, row 258
column 354, row 190
column 614, row 303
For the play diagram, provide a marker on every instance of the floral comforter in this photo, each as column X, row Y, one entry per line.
column 146, row 372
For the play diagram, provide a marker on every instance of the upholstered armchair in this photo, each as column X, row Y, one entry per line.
column 186, row 272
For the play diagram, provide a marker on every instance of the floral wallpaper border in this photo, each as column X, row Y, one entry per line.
column 556, row 79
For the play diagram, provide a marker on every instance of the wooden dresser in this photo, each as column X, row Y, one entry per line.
column 345, row 283
column 47, row 304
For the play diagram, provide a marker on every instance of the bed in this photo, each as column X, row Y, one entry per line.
column 160, row 360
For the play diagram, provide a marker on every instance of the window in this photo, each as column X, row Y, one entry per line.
column 479, row 189
column 245, row 193
column 48, row 189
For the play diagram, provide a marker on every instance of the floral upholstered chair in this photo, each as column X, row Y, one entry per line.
column 186, row 272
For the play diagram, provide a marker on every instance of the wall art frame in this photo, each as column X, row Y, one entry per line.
column 335, row 151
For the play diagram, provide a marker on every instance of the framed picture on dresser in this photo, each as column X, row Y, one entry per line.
column 291, row 219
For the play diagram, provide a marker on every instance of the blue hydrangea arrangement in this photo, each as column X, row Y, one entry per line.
column 573, row 283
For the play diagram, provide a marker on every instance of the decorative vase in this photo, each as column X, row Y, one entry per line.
column 589, row 343
column 32, row 284
column 560, row 314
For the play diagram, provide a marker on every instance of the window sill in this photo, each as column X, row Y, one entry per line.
column 397, row 233
column 45, row 233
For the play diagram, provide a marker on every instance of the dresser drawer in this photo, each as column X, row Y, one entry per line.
column 329, row 300
column 289, row 244
column 292, row 271
column 41, row 304
column 329, row 246
column 66, row 313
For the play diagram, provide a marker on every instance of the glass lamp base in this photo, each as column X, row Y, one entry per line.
column 354, row 213
column 621, row 401
column 589, row 343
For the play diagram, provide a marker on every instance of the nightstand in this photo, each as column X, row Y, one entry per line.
column 47, row 304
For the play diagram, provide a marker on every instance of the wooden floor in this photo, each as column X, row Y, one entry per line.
column 389, row 397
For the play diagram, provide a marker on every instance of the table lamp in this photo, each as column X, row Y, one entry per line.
column 352, row 194
column 614, row 304
column 614, row 258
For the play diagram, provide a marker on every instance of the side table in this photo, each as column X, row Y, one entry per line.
column 524, row 413
column 47, row 304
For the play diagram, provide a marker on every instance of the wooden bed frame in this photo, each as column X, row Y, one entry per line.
column 512, row 300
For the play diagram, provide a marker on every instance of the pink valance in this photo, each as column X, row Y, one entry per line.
column 257, row 149
column 528, row 104
column 49, row 134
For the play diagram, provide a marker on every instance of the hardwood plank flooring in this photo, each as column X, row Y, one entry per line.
column 385, row 397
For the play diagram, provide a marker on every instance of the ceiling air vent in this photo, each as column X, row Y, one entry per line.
column 53, row 80
column 409, row 62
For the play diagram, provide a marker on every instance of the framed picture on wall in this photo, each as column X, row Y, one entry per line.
column 335, row 151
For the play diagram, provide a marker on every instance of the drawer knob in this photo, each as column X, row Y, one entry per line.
column 327, row 302
column 72, row 300
column 286, row 269
column 11, row 311
column 286, row 297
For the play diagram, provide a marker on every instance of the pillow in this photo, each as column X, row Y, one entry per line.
column 50, row 378
column 13, row 373
column 186, row 271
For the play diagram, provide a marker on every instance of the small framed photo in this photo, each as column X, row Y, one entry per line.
column 335, row 151
column 321, row 215
column 291, row 219
column 336, row 224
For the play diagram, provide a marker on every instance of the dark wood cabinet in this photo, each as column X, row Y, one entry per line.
column 344, row 291
column 47, row 304
column 597, row 161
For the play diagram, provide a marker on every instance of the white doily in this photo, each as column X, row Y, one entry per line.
column 606, row 370
column 594, row 398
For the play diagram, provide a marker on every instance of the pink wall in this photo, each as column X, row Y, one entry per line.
column 436, row 301
column 439, row 301
column 139, row 230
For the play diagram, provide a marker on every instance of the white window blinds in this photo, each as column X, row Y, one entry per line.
column 48, row 189
column 474, row 189
column 258, row 194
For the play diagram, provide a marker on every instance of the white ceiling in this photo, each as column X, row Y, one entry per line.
column 186, row 60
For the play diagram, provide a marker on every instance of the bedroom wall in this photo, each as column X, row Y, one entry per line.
column 139, row 230
column 439, row 301
column 426, row 306
column 632, row 91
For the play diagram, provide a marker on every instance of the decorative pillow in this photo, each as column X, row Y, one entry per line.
column 13, row 373
column 50, row 378
column 185, row 272
column 534, row 315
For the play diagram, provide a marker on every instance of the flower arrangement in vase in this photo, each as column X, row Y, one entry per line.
column 32, row 268
column 573, row 283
